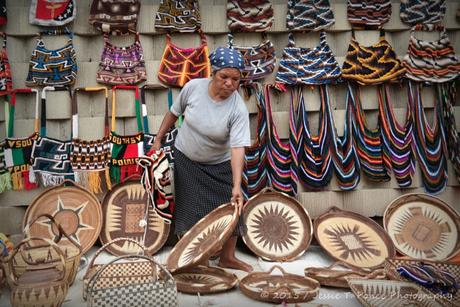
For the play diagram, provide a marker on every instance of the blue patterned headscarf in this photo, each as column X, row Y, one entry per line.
column 224, row 57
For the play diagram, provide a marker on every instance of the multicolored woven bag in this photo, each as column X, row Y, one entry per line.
column 180, row 65
column 18, row 151
column 5, row 177
column 52, row 12
column 51, row 157
column 300, row 65
column 249, row 15
column 125, row 150
column 90, row 159
column 374, row 64
column 121, row 65
column 431, row 61
column 413, row 12
column 368, row 14
column 6, row 83
column 116, row 16
column 169, row 138
column 309, row 15
column 53, row 67
column 259, row 61
column 178, row 16
column 3, row 13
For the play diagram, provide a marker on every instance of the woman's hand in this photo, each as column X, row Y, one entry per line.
column 237, row 198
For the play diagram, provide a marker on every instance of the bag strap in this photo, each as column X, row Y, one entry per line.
column 75, row 119
column 43, row 103
column 136, row 102
column 291, row 40
column 230, row 42
column 144, row 104
column 57, row 31
column 12, row 110
column 3, row 35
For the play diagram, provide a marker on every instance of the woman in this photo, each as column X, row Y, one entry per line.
column 209, row 147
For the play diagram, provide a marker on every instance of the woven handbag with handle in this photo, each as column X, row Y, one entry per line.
column 159, row 291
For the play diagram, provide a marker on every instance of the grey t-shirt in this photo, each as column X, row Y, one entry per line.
column 210, row 127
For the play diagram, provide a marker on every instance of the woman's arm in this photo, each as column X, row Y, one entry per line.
column 166, row 124
column 237, row 162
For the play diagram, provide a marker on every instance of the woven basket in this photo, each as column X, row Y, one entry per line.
column 47, row 254
column 332, row 277
column 43, row 284
column 119, row 274
column 391, row 264
column 286, row 287
column 159, row 290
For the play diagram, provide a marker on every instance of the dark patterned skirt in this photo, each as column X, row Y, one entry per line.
column 199, row 189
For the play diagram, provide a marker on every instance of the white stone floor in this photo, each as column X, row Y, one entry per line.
column 313, row 257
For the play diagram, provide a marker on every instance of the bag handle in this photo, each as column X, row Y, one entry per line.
column 12, row 110
column 144, row 104
column 43, row 100
column 13, row 275
column 58, row 226
column 75, row 119
column 55, row 32
column 136, row 101
column 95, row 277
column 3, row 35
column 104, row 247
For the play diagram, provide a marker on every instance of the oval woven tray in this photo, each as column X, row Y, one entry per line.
column 278, row 227
column 204, row 280
column 353, row 238
column 204, row 239
column 423, row 227
column 123, row 210
column 289, row 288
column 75, row 208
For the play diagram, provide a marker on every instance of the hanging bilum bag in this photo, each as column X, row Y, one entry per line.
column 125, row 150
column 249, row 15
column 368, row 14
column 121, row 65
column 309, row 15
column 371, row 65
column 180, row 65
column 5, row 177
column 18, row 150
column 116, row 16
column 6, row 83
column 3, row 14
column 90, row 159
column 178, row 16
column 259, row 61
column 431, row 61
column 167, row 143
column 307, row 66
column 51, row 157
column 53, row 67
column 159, row 290
column 52, row 12
column 414, row 12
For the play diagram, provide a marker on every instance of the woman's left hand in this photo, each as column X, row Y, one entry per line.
column 237, row 198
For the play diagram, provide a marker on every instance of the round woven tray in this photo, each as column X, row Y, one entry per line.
column 123, row 210
column 204, row 239
column 286, row 287
column 76, row 209
column 204, row 280
column 278, row 227
column 423, row 227
column 352, row 238
column 332, row 276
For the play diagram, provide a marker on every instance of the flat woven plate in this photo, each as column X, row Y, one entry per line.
column 353, row 238
column 278, row 227
column 289, row 288
column 385, row 293
column 391, row 264
column 203, row 280
column 423, row 227
column 204, row 239
column 75, row 208
column 123, row 209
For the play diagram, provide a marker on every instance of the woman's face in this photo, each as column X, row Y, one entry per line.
column 226, row 81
